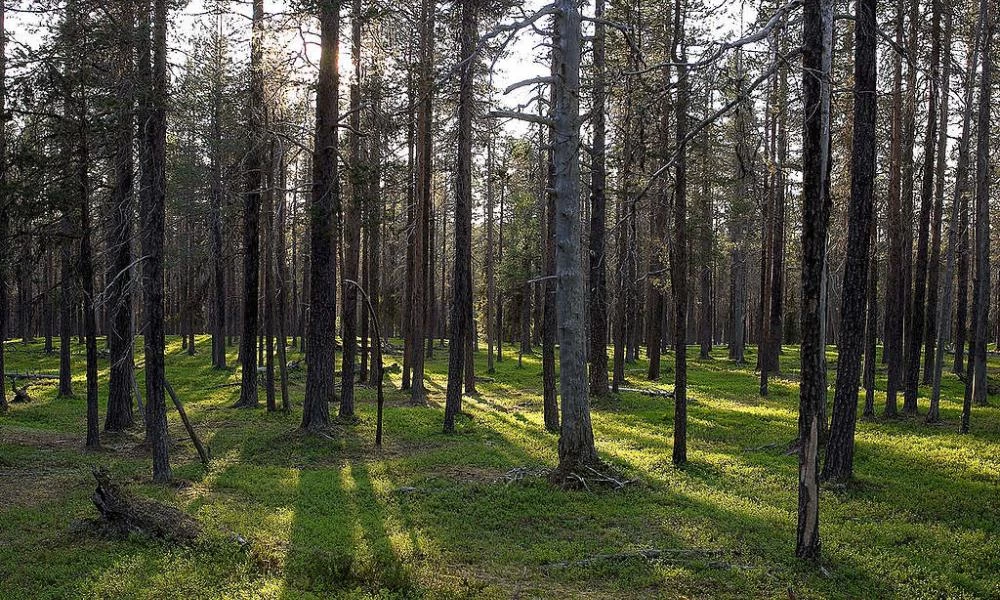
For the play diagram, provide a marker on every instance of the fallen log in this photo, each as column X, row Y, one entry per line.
column 15, row 376
column 648, row 392
column 123, row 513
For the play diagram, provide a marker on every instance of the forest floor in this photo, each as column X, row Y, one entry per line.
column 437, row 516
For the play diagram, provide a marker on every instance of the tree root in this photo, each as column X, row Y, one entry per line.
column 589, row 477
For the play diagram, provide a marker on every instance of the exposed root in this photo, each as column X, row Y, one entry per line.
column 589, row 477
column 123, row 513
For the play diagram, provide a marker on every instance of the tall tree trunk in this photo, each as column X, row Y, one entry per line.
column 119, row 238
column 679, row 253
column 268, row 269
column 550, row 401
column 906, row 203
column 895, row 295
column 424, row 141
column 915, row 339
column 281, row 275
column 491, row 280
column 320, row 379
column 66, row 301
column 217, row 199
column 352, row 227
column 4, row 203
column 598, row 214
column 871, row 326
column 962, row 198
column 975, row 382
column 840, row 446
column 817, row 30
column 576, row 439
column 461, row 304
column 934, row 267
column 153, row 211
column 251, row 212
column 658, row 234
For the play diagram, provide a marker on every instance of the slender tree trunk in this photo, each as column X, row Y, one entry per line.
column 975, row 382
column 215, row 225
column 251, row 213
column 679, row 254
column 4, row 200
column 352, row 228
column 840, row 446
column 66, row 301
column 320, row 379
column 461, row 304
column 154, row 215
column 962, row 198
column 550, row 401
column 491, row 280
column 934, row 267
column 418, row 305
column 895, row 295
column 598, row 214
column 908, row 175
column 915, row 339
column 817, row 44
column 871, row 327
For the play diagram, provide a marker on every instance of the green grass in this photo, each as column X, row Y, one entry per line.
column 423, row 518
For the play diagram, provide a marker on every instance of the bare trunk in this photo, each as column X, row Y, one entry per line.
column 320, row 383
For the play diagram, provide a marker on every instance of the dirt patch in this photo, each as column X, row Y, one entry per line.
column 26, row 488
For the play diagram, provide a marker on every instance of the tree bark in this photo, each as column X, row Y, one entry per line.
column 679, row 253
column 154, row 216
column 320, row 384
column 598, row 305
column 576, row 439
column 915, row 339
column 461, row 303
column 975, row 382
column 840, row 446
column 817, row 36
column 254, row 175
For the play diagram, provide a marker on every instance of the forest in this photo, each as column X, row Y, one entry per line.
column 498, row 299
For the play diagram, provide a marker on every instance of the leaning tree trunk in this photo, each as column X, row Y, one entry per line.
column 321, row 333
column 840, row 446
column 817, row 29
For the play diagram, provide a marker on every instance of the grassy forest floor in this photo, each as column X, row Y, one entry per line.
column 426, row 517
